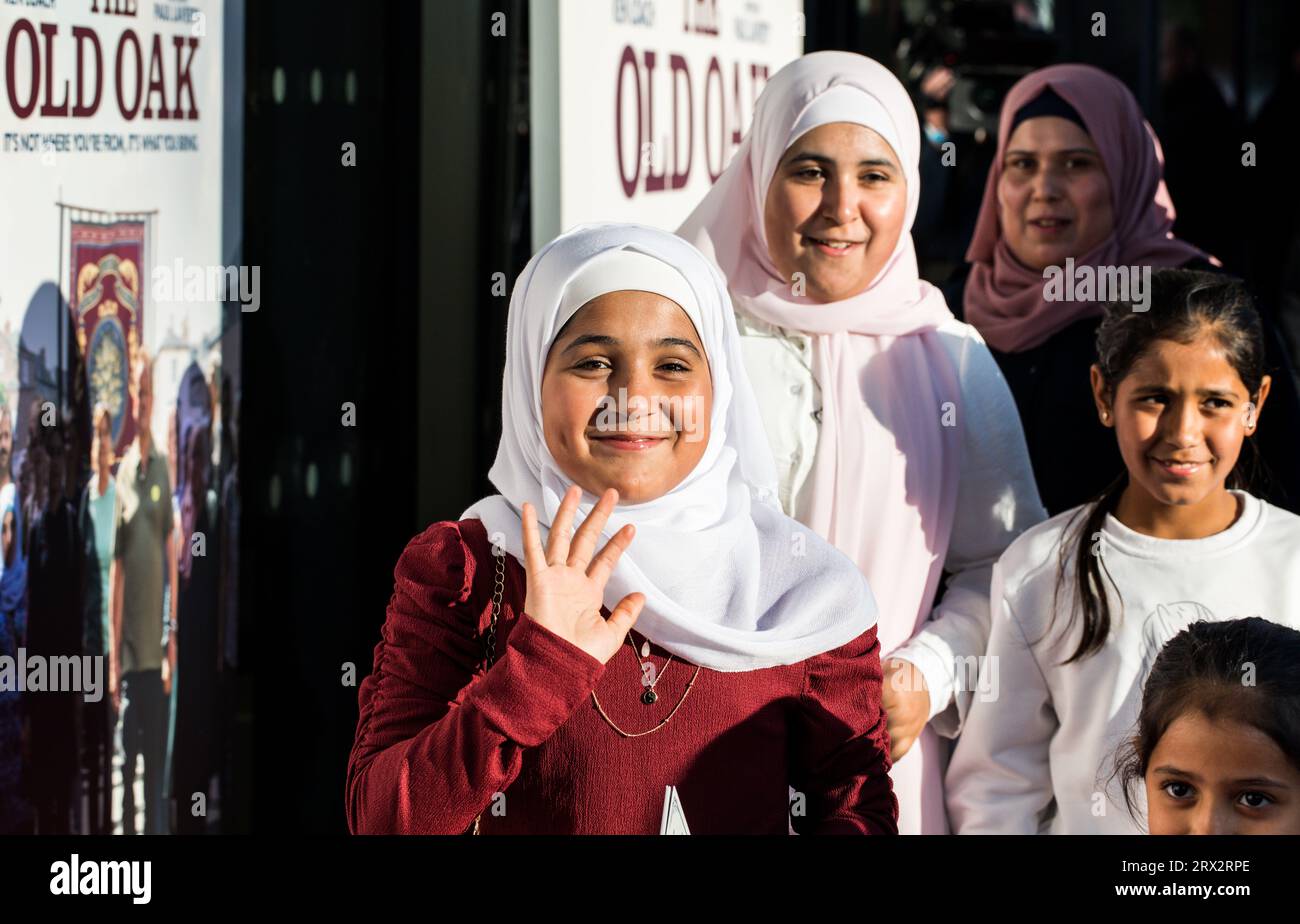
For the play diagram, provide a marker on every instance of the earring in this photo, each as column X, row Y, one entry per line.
column 1105, row 417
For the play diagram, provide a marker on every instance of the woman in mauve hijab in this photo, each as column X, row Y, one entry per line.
column 893, row 432
column 1078, row 176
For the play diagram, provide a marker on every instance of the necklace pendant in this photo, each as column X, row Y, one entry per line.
column 645, row 649
column 649, row 697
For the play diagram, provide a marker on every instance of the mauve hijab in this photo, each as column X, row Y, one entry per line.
column 1004, row 298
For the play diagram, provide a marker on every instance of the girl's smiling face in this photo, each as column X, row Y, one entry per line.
column 1220, row 776
column 627, row 396
column 835, row 210
column 1180, row 416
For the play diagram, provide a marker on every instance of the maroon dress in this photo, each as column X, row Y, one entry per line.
column 439, row 740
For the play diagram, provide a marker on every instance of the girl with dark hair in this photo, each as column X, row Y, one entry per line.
column 1084, row 601
column 1217, row 746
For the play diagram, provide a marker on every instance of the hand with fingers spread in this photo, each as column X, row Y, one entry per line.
column 566, row 584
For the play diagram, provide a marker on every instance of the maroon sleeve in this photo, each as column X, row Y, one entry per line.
column 437, row 737
column 840, row 746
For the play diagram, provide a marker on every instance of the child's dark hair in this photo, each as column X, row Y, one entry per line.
column 1183, row 305
column 1242, row 669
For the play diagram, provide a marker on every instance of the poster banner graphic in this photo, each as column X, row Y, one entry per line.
column 107, row 274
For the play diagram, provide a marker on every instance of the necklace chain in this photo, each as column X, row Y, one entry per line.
column 497, row 591
column 659, row 674
column 667, row 718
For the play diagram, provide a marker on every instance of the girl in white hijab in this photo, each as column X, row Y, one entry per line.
column 895, row 435
column 626, row 409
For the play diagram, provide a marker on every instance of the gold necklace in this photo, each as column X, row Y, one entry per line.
column 649, row 697
column 627, row 734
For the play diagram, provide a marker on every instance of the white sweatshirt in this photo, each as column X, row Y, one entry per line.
column 1037, row 751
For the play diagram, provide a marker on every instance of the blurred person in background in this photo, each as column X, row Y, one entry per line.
column 143, row 551
column 15, row 812
column 1209, row 213
column 169, row 626
column 55, row 627
column 196, row 720
column 98, row 503
column 228, row 591
column 1275, row 247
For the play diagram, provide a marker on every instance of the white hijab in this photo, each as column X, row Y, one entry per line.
column 731, row 583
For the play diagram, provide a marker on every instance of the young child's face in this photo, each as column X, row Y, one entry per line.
column 1180, row 417
column 627, row 396
column 1220, row 777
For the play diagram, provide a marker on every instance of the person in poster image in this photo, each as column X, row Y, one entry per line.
column 143, row 550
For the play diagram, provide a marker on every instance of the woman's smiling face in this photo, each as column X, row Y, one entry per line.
column 1054, row 195
column 835, row 210
column 627, row 396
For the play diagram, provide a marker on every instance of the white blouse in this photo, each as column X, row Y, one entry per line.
column 997, row 498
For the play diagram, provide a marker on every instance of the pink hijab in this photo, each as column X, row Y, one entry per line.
column 1004, row 298
column 884, row 481
column 883, row 488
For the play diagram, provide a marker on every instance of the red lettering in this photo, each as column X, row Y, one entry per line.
column 736, row 133
column 184, row 80
column 628, row 60
column 654, row 182
column 156, row 82
column 715, row 71
column 22, row 27
column 81, row 34
column 48, row 108
column 129, row 113
column 680, row 176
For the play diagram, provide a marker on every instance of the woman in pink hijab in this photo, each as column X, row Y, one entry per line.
column 893, row 432
column 1077, row 185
